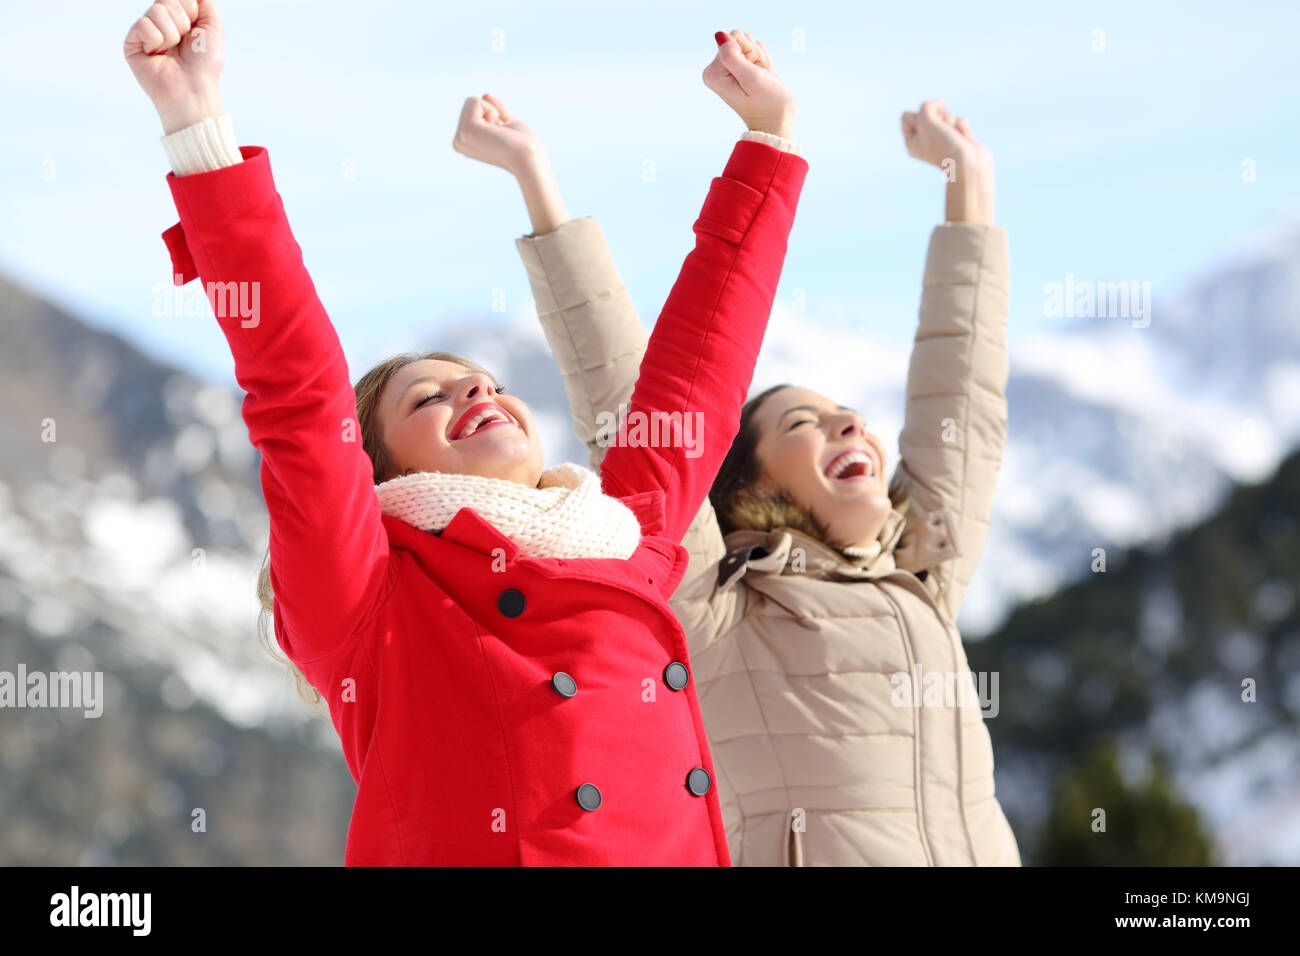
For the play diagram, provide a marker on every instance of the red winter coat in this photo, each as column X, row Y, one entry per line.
column 439, row 670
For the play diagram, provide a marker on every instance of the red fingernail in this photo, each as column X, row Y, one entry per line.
column 720, row 37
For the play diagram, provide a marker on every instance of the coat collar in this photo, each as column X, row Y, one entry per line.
column 469, row 529
column 912, row 543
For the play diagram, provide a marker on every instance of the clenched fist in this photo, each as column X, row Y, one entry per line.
column 176, row 52
column 933, row 135
column 742, row 75
column 490, row 133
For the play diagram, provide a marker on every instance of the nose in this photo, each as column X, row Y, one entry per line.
column 477, row 388
column 847, row 425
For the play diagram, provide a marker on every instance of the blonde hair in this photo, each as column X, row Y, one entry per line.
column 368, row 390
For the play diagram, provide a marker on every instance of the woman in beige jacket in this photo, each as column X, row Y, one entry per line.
column 842, row 714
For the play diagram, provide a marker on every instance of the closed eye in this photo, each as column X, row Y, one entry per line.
column 428, row 398
column 802, row 421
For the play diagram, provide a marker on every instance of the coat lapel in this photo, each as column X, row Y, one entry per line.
column 466, row 529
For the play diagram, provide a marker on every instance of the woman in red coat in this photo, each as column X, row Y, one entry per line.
column 492, row 638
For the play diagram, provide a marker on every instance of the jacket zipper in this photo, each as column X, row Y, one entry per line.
column 916, row 730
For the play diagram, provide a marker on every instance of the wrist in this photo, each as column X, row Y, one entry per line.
column 532, row 165
column 191, row 109
column 546, row 211
column 782, row 125
column 969, row 194
column 966, row 203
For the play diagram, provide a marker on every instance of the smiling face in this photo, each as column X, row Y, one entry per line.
column 822, row 455
column 436, row 415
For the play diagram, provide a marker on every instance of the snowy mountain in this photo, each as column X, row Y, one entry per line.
column 130, row 527
column 1117, row 434
column 1190, row 648
column 130, row 505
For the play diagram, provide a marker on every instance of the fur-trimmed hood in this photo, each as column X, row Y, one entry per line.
column 905, row 543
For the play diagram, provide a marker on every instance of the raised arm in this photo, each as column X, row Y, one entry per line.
column 955, row 423
column 329, row 551
column 585, row 310
column 700, row 360
column 589, row 319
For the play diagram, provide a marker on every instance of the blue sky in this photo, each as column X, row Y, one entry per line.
column 1117, row 165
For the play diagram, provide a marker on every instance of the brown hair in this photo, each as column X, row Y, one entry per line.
column 741, row 504
column 368, row 390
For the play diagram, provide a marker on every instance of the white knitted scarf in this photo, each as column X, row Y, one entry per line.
column 565, row 516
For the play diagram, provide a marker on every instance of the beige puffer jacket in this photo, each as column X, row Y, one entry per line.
column 833, row 693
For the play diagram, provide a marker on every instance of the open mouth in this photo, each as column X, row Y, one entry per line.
column 478, row 417
column 855, row 463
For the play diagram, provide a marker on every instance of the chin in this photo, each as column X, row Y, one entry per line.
column 857, row 490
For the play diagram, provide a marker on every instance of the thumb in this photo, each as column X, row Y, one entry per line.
column 203, row 13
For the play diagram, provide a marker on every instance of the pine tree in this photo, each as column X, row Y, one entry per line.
column 1147, row 824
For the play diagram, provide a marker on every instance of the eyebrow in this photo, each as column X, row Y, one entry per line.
column 810, row 408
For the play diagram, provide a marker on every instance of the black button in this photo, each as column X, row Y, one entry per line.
column 697, row 781
column 563, row 684
column 588, row 796
column 511, row 603
column 676, row 675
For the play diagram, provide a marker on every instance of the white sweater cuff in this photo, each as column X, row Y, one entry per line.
column 206, row 145
column 785, row 145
